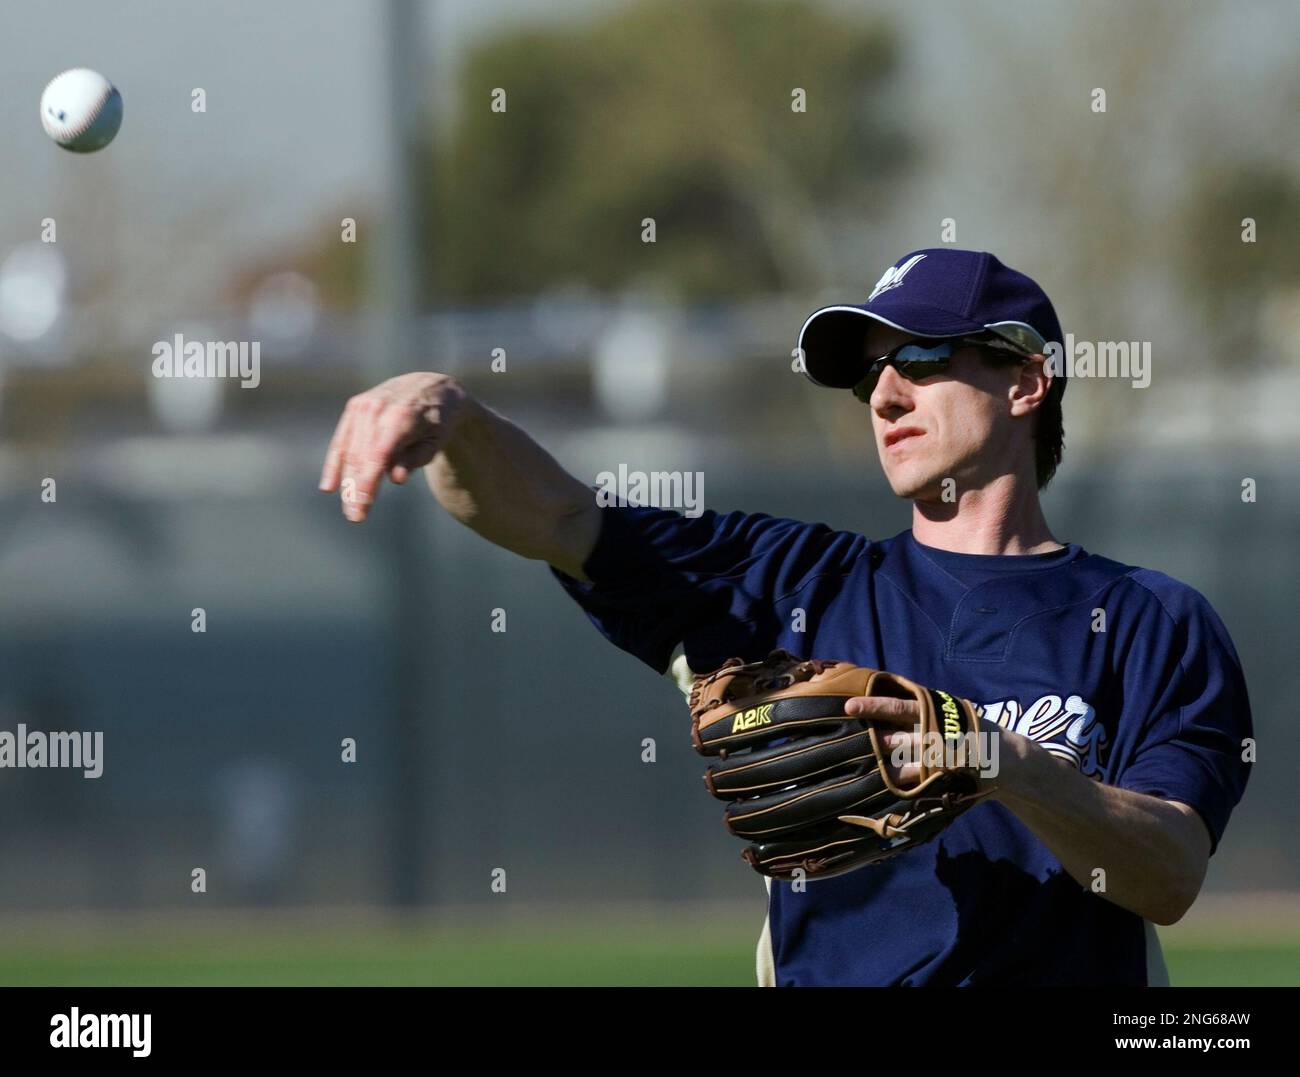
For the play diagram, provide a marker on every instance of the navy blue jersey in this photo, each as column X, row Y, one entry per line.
column 1127, row 674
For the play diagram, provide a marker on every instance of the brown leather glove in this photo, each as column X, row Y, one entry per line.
column 806, row 785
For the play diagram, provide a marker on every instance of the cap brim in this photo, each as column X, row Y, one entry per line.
column 833, row 339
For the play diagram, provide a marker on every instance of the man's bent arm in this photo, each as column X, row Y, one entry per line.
column 1154, row 852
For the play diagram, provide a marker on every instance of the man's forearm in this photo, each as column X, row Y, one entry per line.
column 1153, row 852
column 498, row 481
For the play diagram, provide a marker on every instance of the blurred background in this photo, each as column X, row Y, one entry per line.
column 506, row 247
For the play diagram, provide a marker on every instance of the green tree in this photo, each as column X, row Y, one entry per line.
column 680, row 112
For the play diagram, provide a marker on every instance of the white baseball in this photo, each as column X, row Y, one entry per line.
column 81, row 110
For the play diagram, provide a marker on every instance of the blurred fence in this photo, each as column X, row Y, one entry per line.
column 223, row 748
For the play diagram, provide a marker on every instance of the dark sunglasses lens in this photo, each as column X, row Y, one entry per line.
column 913, row 361
column 915, row 369
column 920, row 361
column 866, row 387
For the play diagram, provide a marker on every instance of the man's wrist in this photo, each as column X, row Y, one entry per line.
column 459, row 412
column 1007, row 760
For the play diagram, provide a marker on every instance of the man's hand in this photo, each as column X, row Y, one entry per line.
column 906, row 742
column 893, row 709
column 392, row 429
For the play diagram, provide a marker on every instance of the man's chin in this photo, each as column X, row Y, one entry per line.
column 917, row 487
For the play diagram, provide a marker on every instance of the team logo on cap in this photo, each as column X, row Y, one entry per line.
column 893, row 276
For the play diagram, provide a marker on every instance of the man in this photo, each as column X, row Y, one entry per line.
column 1115, row 691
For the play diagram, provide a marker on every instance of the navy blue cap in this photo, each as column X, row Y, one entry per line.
column 937, row 292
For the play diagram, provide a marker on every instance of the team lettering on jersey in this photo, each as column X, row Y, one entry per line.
column 1068, row 728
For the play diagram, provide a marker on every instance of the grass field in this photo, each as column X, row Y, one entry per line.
column 602, row 947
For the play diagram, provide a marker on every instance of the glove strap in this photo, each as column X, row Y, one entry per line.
column 944, row 715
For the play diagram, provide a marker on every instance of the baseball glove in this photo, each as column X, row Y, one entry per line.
column 806, row 785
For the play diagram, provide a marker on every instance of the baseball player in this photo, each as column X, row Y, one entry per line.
column 1114, row 692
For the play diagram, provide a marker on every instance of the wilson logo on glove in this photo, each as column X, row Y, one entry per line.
column 952, row 727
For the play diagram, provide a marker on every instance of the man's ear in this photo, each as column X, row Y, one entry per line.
column 1031, row 387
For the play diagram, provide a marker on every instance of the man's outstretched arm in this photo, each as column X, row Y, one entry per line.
column 483, row 469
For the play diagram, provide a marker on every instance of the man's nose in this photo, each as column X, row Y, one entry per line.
column 892, row 392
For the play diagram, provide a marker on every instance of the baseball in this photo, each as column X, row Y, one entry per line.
column 81, row 110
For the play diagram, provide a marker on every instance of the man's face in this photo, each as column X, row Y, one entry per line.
column 954, row 425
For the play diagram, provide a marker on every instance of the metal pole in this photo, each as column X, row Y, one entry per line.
column 396, row 280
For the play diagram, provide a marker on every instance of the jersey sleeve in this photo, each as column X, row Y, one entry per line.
column 711, row 582
column 1193, row 746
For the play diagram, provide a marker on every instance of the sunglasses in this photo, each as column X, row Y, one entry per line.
column 918, row 359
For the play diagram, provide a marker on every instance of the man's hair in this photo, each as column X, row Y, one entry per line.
column 1049, row 434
